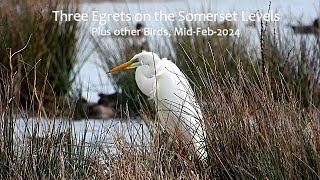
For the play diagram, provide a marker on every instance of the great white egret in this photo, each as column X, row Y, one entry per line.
column 179, row 113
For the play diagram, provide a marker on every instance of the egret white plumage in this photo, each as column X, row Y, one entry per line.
column 163, row 82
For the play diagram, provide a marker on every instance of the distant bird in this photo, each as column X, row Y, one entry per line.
column 140, row 40
column 139, row 28
column 100, row 110
column 309, row 29
column 178, row 111
column 109, row 99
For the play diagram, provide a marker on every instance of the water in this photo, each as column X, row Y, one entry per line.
column 92, row 131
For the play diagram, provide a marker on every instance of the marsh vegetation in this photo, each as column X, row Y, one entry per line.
column 259, row 106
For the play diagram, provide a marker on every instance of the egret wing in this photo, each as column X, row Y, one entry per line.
column 187, row 116
column 183, row 86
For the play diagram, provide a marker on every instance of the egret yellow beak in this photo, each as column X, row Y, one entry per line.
column 133, row 63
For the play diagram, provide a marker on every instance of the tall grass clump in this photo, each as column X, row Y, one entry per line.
column 252, row 135
column 28, row 150
column 46, row 66
column 295, row 59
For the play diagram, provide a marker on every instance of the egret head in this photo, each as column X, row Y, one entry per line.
column 142, row 59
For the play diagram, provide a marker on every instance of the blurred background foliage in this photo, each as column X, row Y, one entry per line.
column 46, row 66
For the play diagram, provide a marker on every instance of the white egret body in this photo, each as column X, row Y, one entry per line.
column 179, row 113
